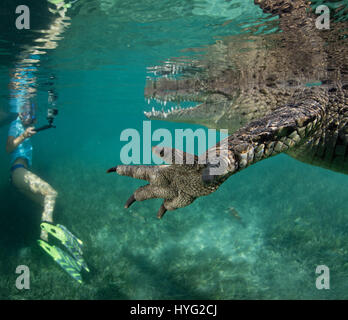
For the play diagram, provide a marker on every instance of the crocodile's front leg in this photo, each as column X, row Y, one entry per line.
column 285, row 129
column 180, row 184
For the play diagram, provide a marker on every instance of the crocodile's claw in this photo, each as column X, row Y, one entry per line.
column 178, row 184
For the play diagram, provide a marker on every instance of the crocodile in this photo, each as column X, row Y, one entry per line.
column 284, row 92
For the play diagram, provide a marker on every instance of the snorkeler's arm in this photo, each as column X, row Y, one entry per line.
column 13, row 143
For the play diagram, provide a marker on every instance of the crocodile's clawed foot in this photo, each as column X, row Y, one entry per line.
column 130, row 201
column 162, row 210
column 179, row 183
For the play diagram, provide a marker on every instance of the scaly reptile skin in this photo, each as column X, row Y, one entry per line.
column 261, row 96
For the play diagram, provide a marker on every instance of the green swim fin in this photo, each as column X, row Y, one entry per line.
column 62, row 3
column 71, row 242
column 68, row 263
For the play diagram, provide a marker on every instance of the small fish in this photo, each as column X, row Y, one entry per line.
column 234, row 213
column 138, row 216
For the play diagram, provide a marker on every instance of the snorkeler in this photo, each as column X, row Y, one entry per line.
column 23, row 89
column 20, row 147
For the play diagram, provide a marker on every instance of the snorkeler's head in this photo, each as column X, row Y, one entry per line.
column 27, row 114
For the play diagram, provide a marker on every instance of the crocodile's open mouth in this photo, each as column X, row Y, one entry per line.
column 185, row 98
column 167, row 94
column 170, row 98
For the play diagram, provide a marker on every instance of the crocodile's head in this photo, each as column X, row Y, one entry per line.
column 237, row 80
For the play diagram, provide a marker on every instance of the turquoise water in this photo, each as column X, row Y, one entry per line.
column 293, row 216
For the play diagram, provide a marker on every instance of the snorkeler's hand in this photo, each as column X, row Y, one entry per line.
column 29, row 132
column 178, row 184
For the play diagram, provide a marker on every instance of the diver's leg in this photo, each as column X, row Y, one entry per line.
column 38, row 190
